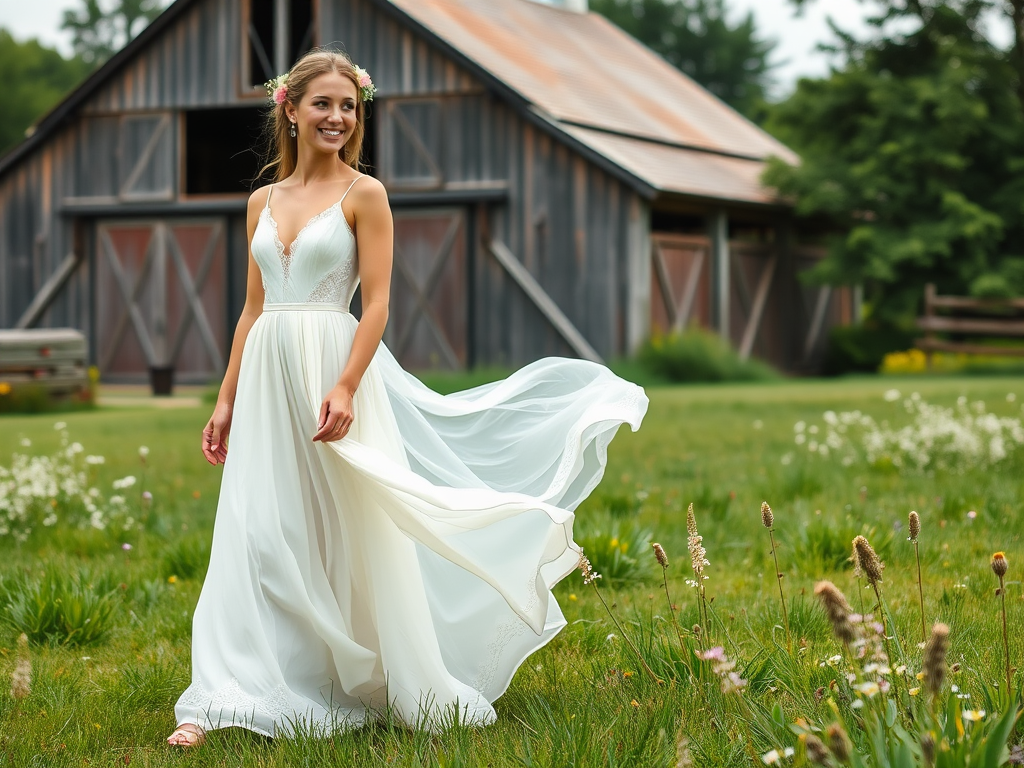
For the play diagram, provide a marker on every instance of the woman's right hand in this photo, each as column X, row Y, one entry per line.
column 215, row 435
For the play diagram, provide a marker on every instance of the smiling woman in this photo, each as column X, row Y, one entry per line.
column 377, row 546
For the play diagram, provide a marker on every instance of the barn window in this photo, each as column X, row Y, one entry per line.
column 278, row 32
column 219, row 150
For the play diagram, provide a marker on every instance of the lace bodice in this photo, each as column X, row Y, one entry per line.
column 319, row 266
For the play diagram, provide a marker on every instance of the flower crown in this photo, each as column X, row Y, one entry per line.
column 277, row 88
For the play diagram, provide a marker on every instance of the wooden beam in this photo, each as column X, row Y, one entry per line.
column 938, row 345
column 48, row 292
column 685, row 308
column 543, row 302
column 817, row 320
column 282, row 36
column 146, row 155
column 757, row 307
column 972, row 325
column 720, row 244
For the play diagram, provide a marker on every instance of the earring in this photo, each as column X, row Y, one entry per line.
column 291, row 131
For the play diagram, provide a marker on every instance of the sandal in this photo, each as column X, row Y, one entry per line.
column 187, row 735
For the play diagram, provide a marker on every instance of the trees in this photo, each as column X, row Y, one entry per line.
column 695, row 36
column 35, row 78
column 913, row 151
column 97, row 34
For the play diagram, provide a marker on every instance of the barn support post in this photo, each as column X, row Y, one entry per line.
column 282, row 35
column 638, row 265
column 720, row 265
column 788, row 292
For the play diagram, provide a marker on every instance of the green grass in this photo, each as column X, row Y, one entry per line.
column 582, row 700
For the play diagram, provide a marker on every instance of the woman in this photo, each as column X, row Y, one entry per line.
column 376, row 545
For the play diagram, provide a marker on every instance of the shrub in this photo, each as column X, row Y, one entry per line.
column 35, row 398
column 188, row 558
column 861, row 348
column 697, row 355
column 60, row 609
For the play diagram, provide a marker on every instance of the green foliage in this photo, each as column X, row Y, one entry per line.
column 35, row 398
column 696, row 36
column 697, row 355
column 912, row 149
column 98, row 33
column 61, row 609
column 861, row 348
column 824, row 543
column 188, row 557
column 620, row 552
column 36, row 78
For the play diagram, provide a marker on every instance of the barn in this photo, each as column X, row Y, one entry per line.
column 558, row 189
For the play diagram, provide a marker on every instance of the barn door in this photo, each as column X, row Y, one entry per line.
column 680, row 282
column 429, row 303
column 161, row 298
column 754, row 320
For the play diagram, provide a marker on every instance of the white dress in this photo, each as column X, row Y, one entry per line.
column 409, row 563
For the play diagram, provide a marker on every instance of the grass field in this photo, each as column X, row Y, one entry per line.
column 583, row 700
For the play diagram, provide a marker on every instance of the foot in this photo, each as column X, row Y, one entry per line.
column 187, row 735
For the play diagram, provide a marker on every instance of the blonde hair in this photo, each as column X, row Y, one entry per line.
column 282, row 148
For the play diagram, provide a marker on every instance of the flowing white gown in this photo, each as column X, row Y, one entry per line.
column 408, row 565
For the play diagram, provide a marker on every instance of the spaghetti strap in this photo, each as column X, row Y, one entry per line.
column 357, row 178
column 269, row 193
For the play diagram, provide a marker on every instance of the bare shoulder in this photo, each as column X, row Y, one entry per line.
column 258, row 199
column 369, row 194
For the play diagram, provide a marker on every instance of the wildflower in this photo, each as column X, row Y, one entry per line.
column 974, row 715
column 94, row 460
column 837, row 609
column 21, row 680
column 5, row 388
column 914, row 691
column 635, row 704
column 126, row 547
column 172, row 579
column 972, row 515
column 589, row 574
column 891, row 395
column 999, row 565
column 143, row 452
column 774, row 757
column 767, row 518
column 914, row 526
column 868, row 561
column 60, row 426
column 869, row 689
column 659, row 554
column 147, row 496
column 573, row 597
column 934, row 664
column 712, row 654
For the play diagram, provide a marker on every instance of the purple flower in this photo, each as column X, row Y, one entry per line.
column 126, row 547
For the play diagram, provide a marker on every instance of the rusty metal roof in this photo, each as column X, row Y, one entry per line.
column 610, row 92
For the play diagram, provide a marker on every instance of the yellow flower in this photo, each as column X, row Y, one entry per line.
column 623, row 547
column 573, row 597
column 627, row 673
column 614, row 543
column 635, row 704
column 172, row 579
column 974, row 715
column 914, row 691
column 5, row 388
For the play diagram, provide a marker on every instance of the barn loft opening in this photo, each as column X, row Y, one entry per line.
column 220, row 150
column 279, row 31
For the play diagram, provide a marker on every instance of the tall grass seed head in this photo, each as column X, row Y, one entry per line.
column 817, row 752
column 837, row 609
column 691, row 521
column 868, row 561
column 999, row 564
column 914, row 526
column 589, row 574
column 934, row 663
column 767, row 518
column 659, row 553
column 21, row 679
column 839, row 743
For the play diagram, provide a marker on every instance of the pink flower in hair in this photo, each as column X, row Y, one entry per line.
column 280, row 94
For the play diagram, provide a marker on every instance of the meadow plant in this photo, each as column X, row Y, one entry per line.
column 43, row 491
column 999, row 568
column 914, row 528
column 662, row 558
column 61, row 609
column 21, row 679
column 768, row 521
column 590, row 576
column 956, row 439
column 698, row 561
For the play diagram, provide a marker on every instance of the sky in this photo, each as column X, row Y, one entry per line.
column 797, row 34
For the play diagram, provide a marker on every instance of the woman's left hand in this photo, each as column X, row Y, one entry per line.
column 335, row 415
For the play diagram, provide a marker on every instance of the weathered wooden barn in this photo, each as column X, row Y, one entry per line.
column 557, row 188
